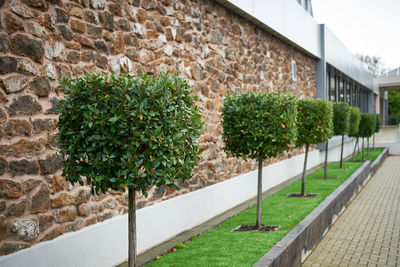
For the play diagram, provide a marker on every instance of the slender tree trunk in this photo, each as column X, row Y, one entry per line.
column 363, row 158
column 368, row 146
column 259, row 194
column 326, row 161
column 341, row 153
column 358, row 146
column 303, row 178
column 355, row 146
column 132, row 227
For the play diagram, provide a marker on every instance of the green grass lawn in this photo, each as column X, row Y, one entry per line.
column 221, row 247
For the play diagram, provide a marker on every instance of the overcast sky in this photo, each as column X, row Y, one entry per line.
column 369, row 27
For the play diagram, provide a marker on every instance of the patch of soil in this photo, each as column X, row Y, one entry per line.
column 265, row 228
column 301, row 195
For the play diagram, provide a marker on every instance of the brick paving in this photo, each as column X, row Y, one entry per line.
column 368, row 231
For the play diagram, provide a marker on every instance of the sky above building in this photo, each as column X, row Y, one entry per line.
column 369, row 27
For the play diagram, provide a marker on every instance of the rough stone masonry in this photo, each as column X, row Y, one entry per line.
column 41, row 41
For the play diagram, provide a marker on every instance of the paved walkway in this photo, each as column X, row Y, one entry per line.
column 368, row 231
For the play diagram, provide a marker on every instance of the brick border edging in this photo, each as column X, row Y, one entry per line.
column 302, row 239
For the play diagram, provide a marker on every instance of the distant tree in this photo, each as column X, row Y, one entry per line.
column 257, row 126
column 341, row 123
column 373, row 64
column 367, row 128
column 355, row 117
column 394, row 102
column 315, row 125
column 377, row 126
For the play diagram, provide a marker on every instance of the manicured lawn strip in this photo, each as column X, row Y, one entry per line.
column 221, row 247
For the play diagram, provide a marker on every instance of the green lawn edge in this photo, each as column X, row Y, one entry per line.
column 220, row 247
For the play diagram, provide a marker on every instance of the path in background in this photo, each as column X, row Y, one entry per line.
column 388, row 136
column 368, row 231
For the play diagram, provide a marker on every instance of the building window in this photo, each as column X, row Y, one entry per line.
column 332, row 89
column 294, row 71
column 341, row 88
column 348, row 92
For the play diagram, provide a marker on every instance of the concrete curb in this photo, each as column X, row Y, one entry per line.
column 294, row 248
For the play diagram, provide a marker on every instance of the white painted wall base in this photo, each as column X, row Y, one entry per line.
column 106, row 244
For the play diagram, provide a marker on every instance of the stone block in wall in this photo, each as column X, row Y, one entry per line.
column 3, row 228
column 24, row 105
column 16, row 209
column 41, row 4
column 18, row 128
column 15, row 83
column 40, row 86
column 26, row 229
column 7, row 65
column 44, row 125
column 75, row 226
column 45, row 221
column 65, row 215
column 88, row 208
column 12, row 246
column 21, row 10
column 23, row 166
column 62, row 200
column 23, row 147
column 12, row 23
column 30, row 184
column 10, row 188
column 36, row 29
column 51, row 164
column 3, row 164
column 53, row 233
column 40, row 200
column 57, row 183
column 24, row 46
column 4, row 43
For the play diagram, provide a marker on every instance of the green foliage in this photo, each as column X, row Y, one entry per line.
column 314, row 121
column 378, row 122
column 220, row 247
column 341, row 118
column 355, row 117
column 259, row 125
column 394, row 103
column 394, row 119
column 367, row 125
column 123, row 131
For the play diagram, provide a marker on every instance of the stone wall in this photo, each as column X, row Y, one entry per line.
column 41, row 41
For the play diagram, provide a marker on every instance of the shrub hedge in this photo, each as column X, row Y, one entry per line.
column 341, row 118
column 355, row 117
column 314, row 121
column 259, row 125
column 123, row 131
column 367, row 125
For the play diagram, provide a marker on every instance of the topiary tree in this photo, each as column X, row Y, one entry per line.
column 341, row 123
column 355, row 116
column 120, row 131
column 367, row 128
column 315, row 125
column 377, row 126
column 257, row 126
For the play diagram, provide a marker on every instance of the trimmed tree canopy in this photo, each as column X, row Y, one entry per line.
column 259, row 125
column 341, row 118
column 314, row 121
column 367, row 125
column 123, row 131
column 378, row 122
column 355, row 116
